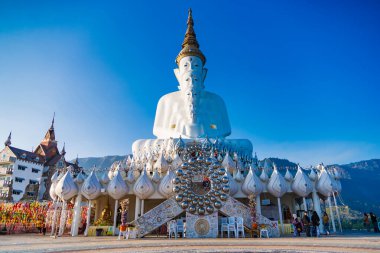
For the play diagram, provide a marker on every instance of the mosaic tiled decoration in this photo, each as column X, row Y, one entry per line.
column 202, row 226
column 157, row 216
column 201, row 184
column 235, row 208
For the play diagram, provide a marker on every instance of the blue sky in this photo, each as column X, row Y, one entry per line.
column 300, row 78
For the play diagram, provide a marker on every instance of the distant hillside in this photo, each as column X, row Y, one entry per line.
column 360, row 185
column 106, row 162
column 100, row 162
column 361, row 190
column 282, row 163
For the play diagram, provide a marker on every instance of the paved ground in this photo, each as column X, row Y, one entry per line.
column 38, row 243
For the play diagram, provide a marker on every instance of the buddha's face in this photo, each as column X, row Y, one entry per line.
column 190, row 75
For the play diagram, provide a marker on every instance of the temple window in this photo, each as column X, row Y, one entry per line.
column 19, row 179
column 20, row 167
column 33, row 181
column 35, row 170
column 16, row 192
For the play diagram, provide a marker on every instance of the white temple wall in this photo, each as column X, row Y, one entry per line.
column 26, row 175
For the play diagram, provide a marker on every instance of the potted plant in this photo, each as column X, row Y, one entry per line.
column 99, row 231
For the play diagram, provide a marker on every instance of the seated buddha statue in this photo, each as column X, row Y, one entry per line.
column 105, row 218
column 191, row 112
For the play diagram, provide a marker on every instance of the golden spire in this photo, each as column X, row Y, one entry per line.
column 190, row 46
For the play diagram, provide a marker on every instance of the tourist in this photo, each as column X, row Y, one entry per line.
column 306, row 224
column 315, row 222
column 84, row 226
column 366, row 222
column 326, row 223
column 44, row 229
column 297, row 226
column 294, row 221
column 39, row 226
column 374, row 222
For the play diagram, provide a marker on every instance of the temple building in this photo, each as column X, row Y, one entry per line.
column 25, row 175
column 192, row 171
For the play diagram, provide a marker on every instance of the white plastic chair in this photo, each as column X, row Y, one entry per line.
column 180, row 227
column 223, row 226
column 264, row 230
column 231, row 226
column 132, row 233
column 240, row 227
column 172, row 226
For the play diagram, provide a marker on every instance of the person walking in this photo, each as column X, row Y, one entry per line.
column 306, row 224
column 366, row 223
column 298, row 226
column 44, row 229
column 315, row 222
column 326, row 223
column 374, row 222
column 294, row 222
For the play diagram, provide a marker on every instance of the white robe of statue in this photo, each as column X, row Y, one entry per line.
column 191, row 112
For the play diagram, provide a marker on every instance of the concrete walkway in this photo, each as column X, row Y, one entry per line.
column 38, row 243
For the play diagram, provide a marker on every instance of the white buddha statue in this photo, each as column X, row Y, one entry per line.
column 191, row 112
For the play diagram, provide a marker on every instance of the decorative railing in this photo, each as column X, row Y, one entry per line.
column 9, row 171
column 5, row 183
column 4, row 195
column 6, row 170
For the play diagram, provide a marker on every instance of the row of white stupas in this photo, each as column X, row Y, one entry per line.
column 123, row 179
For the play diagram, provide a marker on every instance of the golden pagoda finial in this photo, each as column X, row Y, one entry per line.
column 190, row 46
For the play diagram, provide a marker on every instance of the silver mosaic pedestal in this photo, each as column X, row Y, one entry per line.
column 202, row 226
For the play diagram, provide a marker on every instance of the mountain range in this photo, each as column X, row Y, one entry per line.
column 100, row 162
column 360, row 182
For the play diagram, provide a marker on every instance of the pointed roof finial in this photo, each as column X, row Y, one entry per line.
column 50, row 134
column 190, row 46
column 8, row 141
column 77, row 160
column 52, row 122
column 63, row 152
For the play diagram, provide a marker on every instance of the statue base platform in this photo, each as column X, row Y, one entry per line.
column 202, row 226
